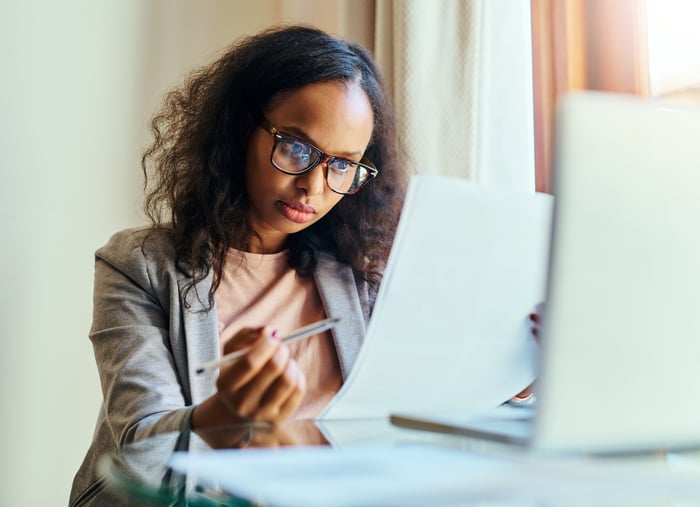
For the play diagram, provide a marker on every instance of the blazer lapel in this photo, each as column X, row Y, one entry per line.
column 201, row 338
column 338, row 290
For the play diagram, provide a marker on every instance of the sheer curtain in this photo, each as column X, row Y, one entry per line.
column 429, row 51
column 460, row 73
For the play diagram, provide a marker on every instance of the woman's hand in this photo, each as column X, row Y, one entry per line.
column 527, row 395
column 263, row 385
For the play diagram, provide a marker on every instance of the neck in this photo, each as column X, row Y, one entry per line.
column 260, row 246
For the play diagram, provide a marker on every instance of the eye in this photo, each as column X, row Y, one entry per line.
column 341, row 166
column 296, row 150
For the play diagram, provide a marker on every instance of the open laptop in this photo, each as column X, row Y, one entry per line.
column 620, row 363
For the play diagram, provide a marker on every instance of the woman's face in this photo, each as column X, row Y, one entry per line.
column 336, row 118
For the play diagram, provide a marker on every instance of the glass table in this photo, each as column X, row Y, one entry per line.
column 141, row 471
column 141, row 474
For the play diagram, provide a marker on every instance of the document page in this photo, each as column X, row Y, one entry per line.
column 450, row 328
column 417, row 475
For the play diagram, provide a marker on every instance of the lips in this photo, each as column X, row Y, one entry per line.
column 296, row 211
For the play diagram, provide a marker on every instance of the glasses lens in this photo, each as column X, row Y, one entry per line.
column 346, row 176
column 294, row 156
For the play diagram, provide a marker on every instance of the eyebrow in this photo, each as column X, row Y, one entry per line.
column 297, row 132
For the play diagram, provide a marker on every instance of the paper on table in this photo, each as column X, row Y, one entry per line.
column 325, row 477
column 450, row 329
column 417, row 475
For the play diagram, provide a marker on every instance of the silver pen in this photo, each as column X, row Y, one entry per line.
column 297, row 334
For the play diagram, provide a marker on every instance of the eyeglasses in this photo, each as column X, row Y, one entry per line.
column 293, row 156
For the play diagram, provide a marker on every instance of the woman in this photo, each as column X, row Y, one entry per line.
column 274, row 188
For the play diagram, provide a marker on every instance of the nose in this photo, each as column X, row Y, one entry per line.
column 313, row 182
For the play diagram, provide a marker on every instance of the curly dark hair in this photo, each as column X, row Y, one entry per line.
column 195, row 167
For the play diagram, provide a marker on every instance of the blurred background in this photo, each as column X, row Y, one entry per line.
column 476, row 79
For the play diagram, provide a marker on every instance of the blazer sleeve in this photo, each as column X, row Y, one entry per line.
column 142, row 388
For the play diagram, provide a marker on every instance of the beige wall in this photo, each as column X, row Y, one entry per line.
column 69, row 176
column 80, row 80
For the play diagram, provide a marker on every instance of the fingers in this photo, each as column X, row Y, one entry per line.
column 526, row 393
column 264, row 384
column 535, row 329
column 292, row 395
column 266, row 381
column 536, row 320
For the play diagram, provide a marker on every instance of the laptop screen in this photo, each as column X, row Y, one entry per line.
column 621, row 332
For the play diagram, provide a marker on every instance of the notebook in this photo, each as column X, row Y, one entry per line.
column 620, row 355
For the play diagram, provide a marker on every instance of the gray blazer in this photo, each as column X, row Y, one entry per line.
column 148, row 340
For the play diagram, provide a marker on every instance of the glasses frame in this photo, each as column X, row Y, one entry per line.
column 324, row 159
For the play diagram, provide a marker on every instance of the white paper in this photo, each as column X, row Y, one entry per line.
column 419, row 475
column 325, row 477
column 450, row 329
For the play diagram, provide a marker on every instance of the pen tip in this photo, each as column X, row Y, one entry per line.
column 336, row 319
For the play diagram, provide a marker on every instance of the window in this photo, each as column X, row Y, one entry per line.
column 674, row 49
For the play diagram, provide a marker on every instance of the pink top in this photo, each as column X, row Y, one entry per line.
column 261, row 289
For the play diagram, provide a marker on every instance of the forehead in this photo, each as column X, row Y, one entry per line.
column 333, row 115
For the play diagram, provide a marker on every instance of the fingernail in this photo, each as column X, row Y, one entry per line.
column 275, row 335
